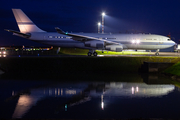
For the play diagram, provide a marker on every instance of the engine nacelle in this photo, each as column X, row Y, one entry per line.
column 117, row 48
column 95, row 44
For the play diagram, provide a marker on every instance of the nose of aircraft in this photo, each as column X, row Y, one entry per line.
column 173, row 43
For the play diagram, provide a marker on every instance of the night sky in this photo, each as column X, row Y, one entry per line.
column 125, row 16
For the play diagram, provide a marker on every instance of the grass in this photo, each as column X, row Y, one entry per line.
column 133, row 62
column 77, row 51
column 73, row 51
column 79, row 64
column 174, row 70
column 122, row 53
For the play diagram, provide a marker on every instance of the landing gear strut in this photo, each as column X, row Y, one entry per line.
column 92, row 52
column 58, row 50
column 157, row 52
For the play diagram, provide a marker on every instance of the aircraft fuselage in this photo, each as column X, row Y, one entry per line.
column 128, row 41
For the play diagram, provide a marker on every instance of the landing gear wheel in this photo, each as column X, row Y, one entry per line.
column 89, row 53
column 95, row 53
column 157, row 54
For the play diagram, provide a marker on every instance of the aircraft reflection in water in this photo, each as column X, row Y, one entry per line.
column 85, row 92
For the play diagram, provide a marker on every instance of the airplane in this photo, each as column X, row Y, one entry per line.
column 91, row 41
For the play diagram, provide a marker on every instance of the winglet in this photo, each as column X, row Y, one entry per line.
column 59, row 30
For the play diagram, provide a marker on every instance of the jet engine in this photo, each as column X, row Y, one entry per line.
column 95, row 44
column 117, row 48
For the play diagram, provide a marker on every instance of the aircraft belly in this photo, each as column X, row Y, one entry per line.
column 149, row 46
column 145, row 47
column 165, row 46
column 64, row 43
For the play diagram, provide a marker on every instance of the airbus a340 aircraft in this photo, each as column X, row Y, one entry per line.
column 91, row 41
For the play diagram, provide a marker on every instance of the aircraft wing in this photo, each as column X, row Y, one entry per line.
column 84, row 38
column 19, row 33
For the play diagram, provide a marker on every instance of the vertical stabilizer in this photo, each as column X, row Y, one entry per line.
column 24, row 23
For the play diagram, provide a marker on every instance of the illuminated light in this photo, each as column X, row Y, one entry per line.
column 133, row 41
column 100, row 55
column 4, row 55
column 19, row 56
column 103, row 14
column 58, row 91
column 137, row 89
column 137, row 41
column 99, row 24
column 0, row 52
column 66, row 33
column 61, row 92
column 25, row 102
column 70, row 92
column 0, row 55
column 55, row 91
column 65, row 107
column 132, row 90
column 102, row 105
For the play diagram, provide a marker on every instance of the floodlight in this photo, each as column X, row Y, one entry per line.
column 103, row 14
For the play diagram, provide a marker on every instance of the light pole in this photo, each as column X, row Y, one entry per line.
column 103, row 14
column 99, row 24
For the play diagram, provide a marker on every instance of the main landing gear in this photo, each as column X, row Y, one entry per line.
column 157, row 52
column 92, row 52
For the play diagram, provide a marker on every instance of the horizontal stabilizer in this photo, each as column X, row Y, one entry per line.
column 19, row 33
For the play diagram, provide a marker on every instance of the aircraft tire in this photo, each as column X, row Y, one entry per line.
column 95, row 53
column 89, row 53
column 157, row 54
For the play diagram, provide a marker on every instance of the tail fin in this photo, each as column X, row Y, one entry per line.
column 24, row 23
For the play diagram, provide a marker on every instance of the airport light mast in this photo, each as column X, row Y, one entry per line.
column 103, row 14
column 99, row 24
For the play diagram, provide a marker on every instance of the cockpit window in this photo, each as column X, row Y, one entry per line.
column 169, row 39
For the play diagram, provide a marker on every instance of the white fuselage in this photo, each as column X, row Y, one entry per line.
column 127, row 41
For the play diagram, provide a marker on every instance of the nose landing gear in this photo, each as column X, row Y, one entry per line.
column 157, row 52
